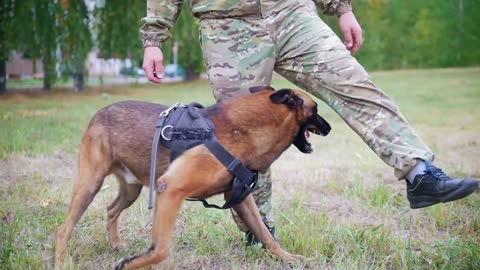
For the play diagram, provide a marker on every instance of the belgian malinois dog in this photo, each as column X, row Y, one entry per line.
column 255, row 129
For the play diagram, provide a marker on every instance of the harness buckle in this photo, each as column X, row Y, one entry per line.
column 254, row 180
column 166, row 112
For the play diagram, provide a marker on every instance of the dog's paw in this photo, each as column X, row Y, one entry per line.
column 118, row 245
column 120, row 265
column 296, row 261
column 294, row 258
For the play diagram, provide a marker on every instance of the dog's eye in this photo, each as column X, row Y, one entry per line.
column 298, row 101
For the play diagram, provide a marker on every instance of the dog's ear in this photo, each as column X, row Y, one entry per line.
column 286, row 96
column 281, row 96
column 255, row 89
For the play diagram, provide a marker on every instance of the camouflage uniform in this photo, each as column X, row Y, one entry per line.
column 243, row 49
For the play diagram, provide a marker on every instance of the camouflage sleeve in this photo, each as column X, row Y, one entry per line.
column 161, row 15
column 331, row 7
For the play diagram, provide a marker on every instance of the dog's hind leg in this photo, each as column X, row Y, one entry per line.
column 127, row 194
column 93, row 166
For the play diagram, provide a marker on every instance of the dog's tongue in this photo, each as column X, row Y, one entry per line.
column 307, row 136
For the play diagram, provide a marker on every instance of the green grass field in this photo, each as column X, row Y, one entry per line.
column 341, row 207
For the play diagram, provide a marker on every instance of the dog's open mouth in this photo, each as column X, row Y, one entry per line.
column 302, row 140
column 314, row 129
column 316, row 125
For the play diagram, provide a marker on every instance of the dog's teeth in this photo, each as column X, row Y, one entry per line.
column 307, row 136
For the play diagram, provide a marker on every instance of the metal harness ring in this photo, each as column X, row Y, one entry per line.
column 162, row 132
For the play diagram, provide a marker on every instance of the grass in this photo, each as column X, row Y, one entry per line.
column 341, row 206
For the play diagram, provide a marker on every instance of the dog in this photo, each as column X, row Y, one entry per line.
column 255, row 129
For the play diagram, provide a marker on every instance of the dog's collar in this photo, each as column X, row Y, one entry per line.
column 181, row 127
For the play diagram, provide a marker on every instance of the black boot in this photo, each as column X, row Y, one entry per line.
column 251, row 240
column 434, row 187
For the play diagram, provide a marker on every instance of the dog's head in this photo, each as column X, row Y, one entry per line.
column 307, row 116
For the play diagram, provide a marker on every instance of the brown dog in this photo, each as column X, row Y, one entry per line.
column 255, row 129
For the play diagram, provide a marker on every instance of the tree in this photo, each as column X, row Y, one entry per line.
column 6, row 40
column 39, row 33
column 75, row 40
column 45, row 28
column 117, row 24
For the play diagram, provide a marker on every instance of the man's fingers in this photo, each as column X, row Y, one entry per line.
column 159, row 68
column 347, row 36
column 357, row 40
column 150, row 72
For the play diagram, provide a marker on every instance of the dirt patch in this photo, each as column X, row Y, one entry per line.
column 55, row 168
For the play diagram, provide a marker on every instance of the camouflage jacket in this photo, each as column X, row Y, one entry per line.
column 162, row 14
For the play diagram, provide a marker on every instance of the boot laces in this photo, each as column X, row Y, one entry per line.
column 438, row 173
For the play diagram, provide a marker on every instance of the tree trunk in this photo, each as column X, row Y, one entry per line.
column 3, row 77
column 79, row 78
column 47, row 82
column 190, row 74
column 47, row 74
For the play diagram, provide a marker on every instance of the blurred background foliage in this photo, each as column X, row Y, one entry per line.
column 418, row 34
column 398, row 34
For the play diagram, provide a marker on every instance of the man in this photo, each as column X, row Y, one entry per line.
column 244, row 41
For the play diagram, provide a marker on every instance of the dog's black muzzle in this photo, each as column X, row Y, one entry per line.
column 315, row 124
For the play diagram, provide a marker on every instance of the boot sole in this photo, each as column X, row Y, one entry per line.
column 423, row 201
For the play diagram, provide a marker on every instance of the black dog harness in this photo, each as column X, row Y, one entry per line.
column 182, row 127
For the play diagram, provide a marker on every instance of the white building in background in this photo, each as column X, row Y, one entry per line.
column 99, row 67
column 20, row 67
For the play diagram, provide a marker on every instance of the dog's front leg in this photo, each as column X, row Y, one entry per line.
column 167, row 207
column 248, row 212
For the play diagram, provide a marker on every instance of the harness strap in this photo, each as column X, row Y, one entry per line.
column 233, row 165
column 153, row 158
column 244, row 180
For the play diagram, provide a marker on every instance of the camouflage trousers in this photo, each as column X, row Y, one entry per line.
column 292, row 40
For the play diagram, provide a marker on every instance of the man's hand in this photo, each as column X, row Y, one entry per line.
column 153, row 63
column 351, row 30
